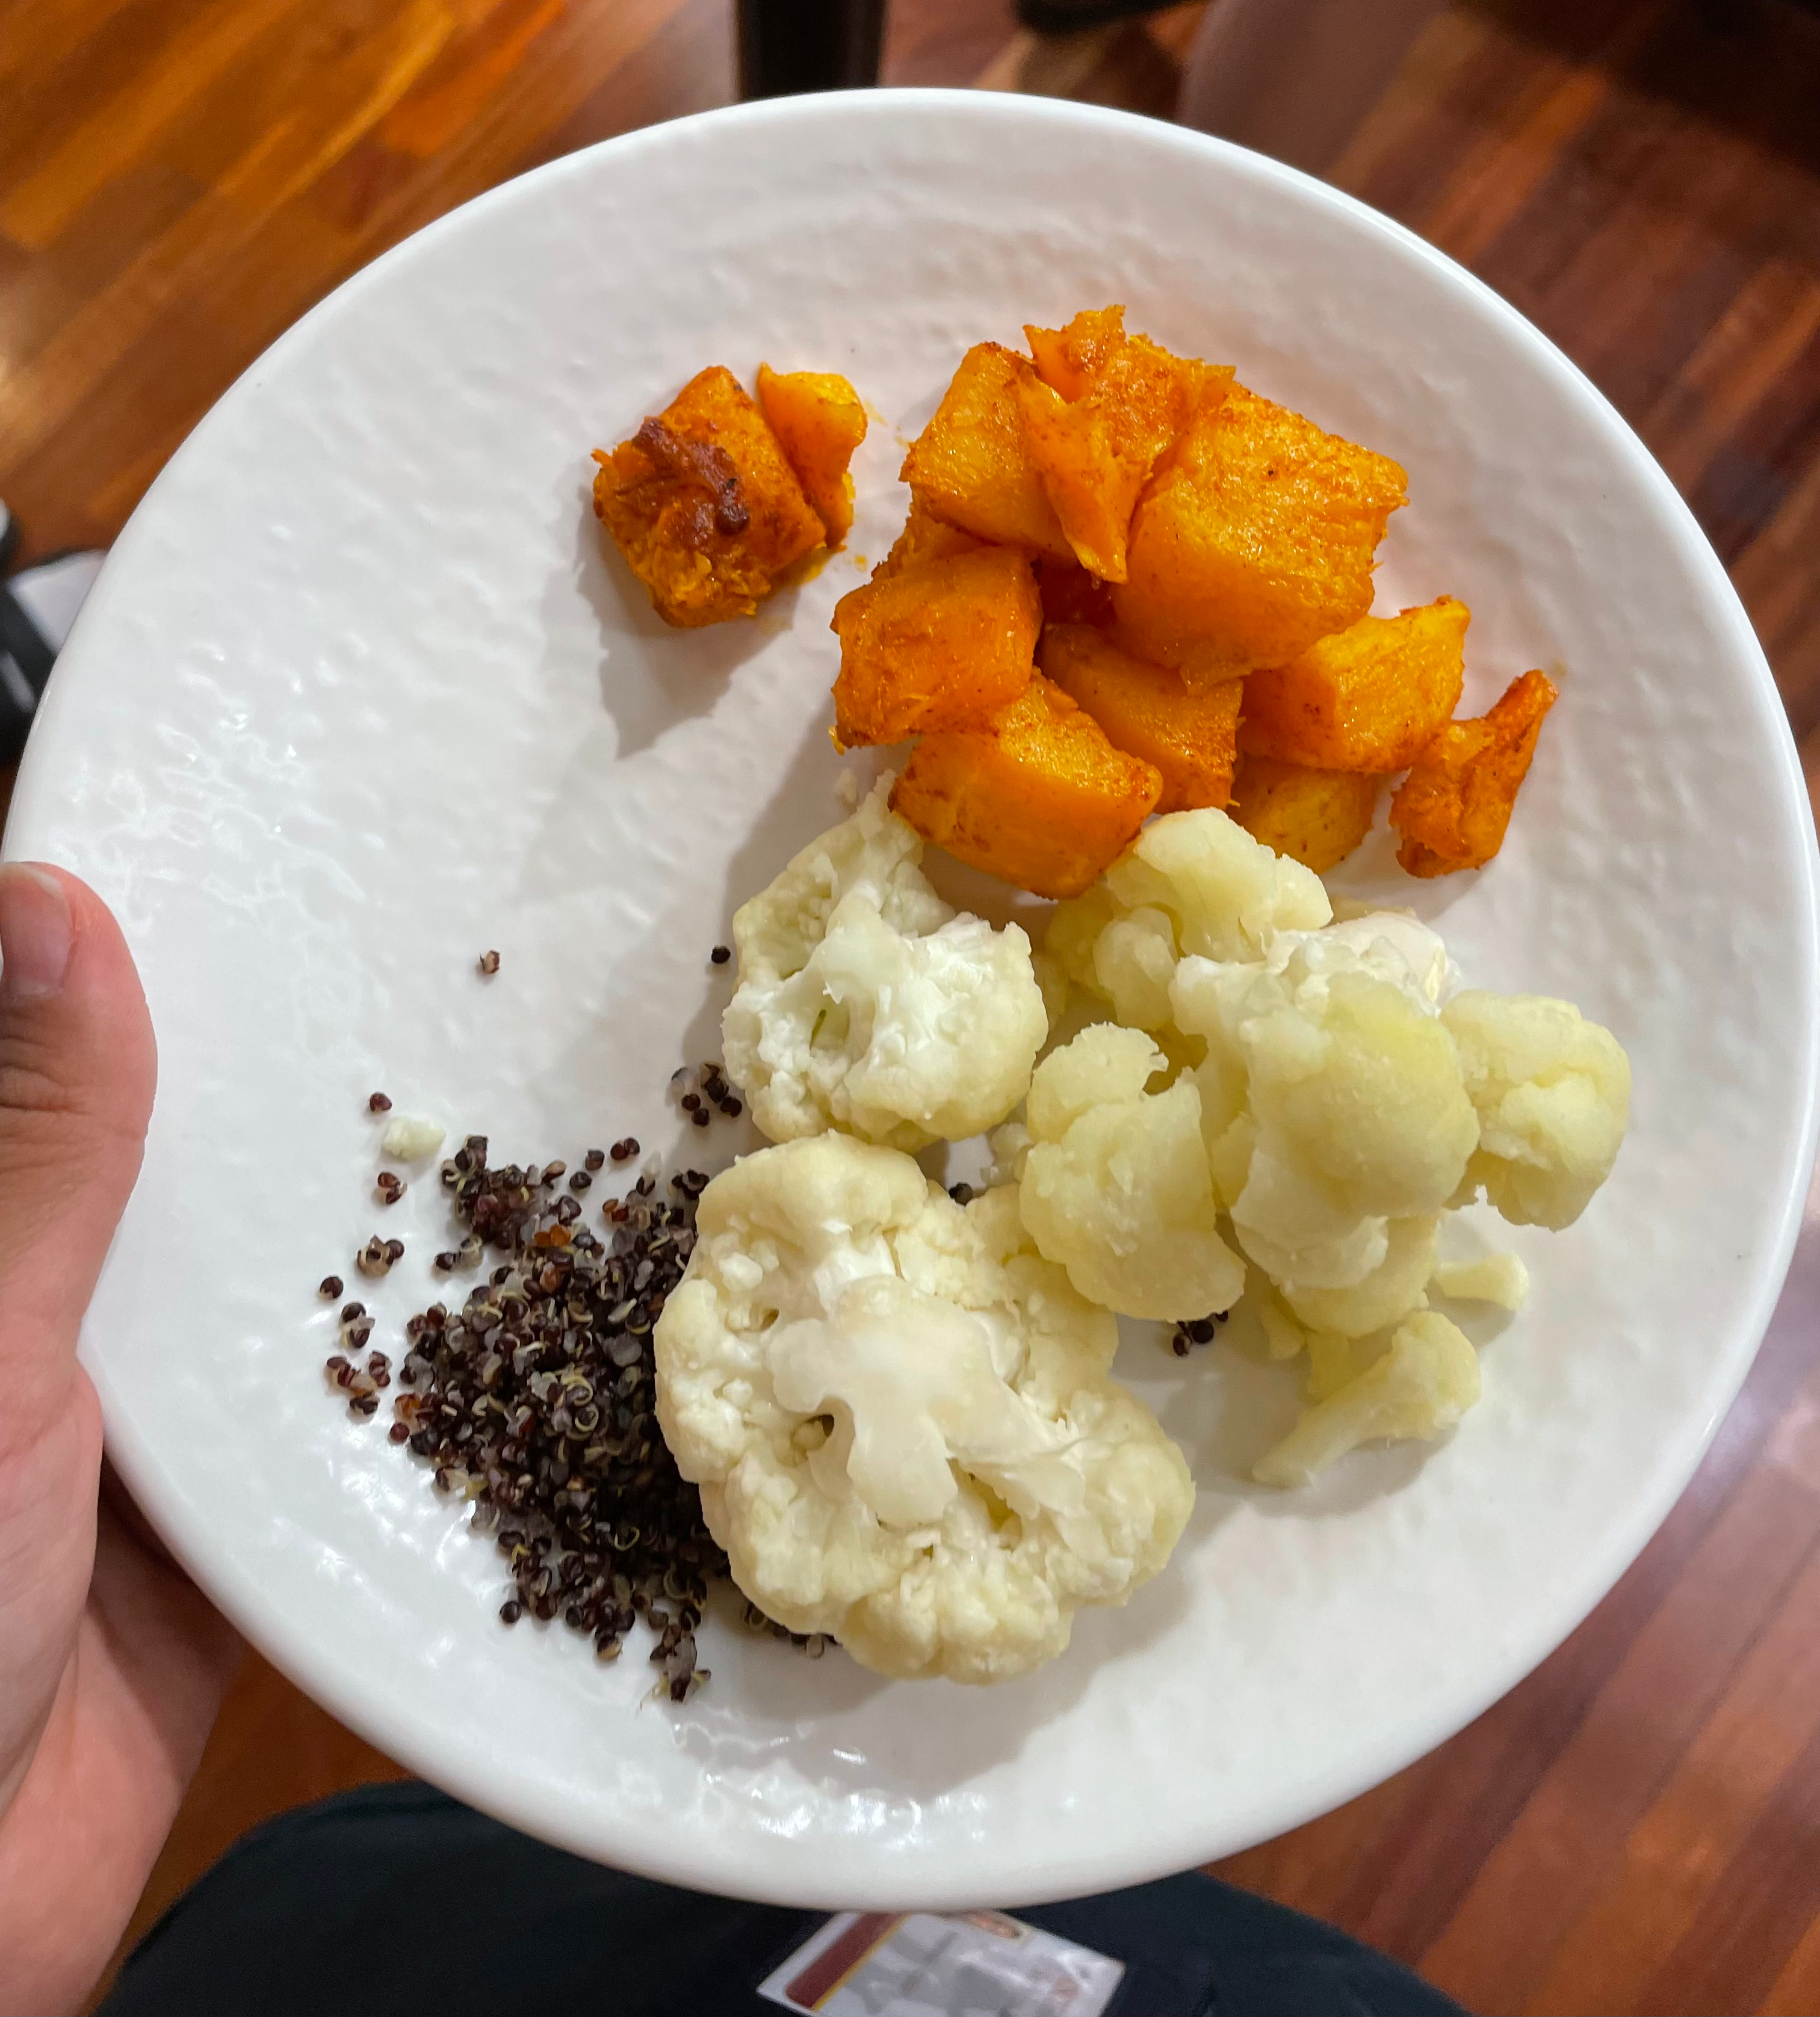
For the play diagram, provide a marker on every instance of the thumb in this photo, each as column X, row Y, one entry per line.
column 77, row 1066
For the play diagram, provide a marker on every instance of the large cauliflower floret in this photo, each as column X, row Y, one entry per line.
column 902, row 1418
column 1553, row 1095
column 1193, row 882
column 864, row 1002
column 1354, row 1110
column 1115, row 1186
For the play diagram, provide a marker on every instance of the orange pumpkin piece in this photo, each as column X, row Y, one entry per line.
column 1147, row 711
column 1037, row 795
column 1068, row 359
column 941, row 644
column 1255, row 537
column 1070, row 595
column 924, row 537
column 704, row 505
column 971, row 466
column 1318, row 816
column 819, row 422
column 1096, row 449
column 1369, row 697
column 1453, row 809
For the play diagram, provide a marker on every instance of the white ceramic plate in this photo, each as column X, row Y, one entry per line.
column 358, row 696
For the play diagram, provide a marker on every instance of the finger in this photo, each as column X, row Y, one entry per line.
column 77, row 1066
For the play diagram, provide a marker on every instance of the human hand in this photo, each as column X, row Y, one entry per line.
column 112, row 1663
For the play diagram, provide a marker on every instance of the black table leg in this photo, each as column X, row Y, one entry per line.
column 787, row 46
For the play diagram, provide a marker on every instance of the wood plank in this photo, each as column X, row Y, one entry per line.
column 1796, row 1991
column 1657, row 1703
column 1731, row 1955
column 1761, row 334
column 1732, row 1766
column 38, row 37
column 944, row 42
column 36, row 209
column 90, row 49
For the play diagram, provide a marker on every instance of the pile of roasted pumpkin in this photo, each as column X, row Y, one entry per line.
column 1127, row 584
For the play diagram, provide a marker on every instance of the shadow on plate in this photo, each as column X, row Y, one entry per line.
column 652, row 675
column 819, row 1721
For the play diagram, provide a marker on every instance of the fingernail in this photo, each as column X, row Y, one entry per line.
column 35, row 933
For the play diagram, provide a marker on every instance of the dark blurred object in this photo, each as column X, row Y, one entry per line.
column 787, row 46
column 38, row 609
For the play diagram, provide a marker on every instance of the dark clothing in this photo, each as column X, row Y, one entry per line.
column 395, row 1900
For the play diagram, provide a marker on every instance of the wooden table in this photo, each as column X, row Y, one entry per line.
column 1636, row 1828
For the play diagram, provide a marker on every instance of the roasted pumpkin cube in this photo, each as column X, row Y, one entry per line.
column 1147, row 711
column 703, row 504
column 942, row 644
column 1038, row 795
column 1070, row 595
column 1453, row 809
column 1255, row 537
column 971, row 466
column 1068, row 359
column 1318, row 816
column 819, row 422
column 1370, row 697
column 1096, row 451
column 924, row 537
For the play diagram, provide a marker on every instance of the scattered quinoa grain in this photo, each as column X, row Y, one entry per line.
column 489, row 962
column 329, row 1288
column 720, row 955
column 376, row 1102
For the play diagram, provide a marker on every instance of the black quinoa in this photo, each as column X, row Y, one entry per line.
column 1193, row 1331
column 536, row 1401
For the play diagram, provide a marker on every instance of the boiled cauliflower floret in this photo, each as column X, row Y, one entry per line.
column 902, row 1418
column 1553, row 1095
column 1498, row 1278
column 1191, row 882
column 1115, row 1186
column 1354, row 1110
column 864, row 1002
column 1392, row 1289
column 1420, row 1387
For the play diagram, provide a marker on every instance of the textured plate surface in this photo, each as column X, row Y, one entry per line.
column 359, row 696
